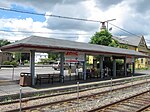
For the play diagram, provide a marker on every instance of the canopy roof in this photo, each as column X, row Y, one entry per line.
column 43, row 44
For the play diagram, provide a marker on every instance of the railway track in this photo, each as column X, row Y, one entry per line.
column 72, row 101
column 72, row 89
column 135, row 103
column 146, row 109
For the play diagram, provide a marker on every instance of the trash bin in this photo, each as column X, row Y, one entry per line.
column 25, row 79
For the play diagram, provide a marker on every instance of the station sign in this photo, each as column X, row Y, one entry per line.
column 130, row 59
column 74, row 56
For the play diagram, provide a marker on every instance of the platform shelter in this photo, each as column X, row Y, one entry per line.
column 34, row 44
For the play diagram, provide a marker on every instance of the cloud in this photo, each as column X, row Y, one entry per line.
column 106, row 4
column 142, row 6
column 130, row 15
column 71, row 25
column 64, row 8
column 40, row 5
column 25, row 25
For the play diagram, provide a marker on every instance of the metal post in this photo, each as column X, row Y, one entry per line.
column 78, row 94
column 20, row 101
column 32, row 66
column 125, row 66
column 62, row 66
column 13, row 73
column 84, row 67
column 146, row 80
column 114, row 67
column 101, row 67
column 111, row 88
column 133, row 65
column 132, row 82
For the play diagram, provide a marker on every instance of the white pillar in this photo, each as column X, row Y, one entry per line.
column 32, row 66
column 101, row 66
column 114, row 67
column 62, row 66
column 125, row 66
column 84, row 67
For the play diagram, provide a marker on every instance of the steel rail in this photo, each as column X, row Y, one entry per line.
column 119, row 101
column 71, row 92
column 82, row 89
column 143, row 108
column 70, row 99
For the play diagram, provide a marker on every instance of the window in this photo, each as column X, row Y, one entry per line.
column 141, row 60
column 149, row 62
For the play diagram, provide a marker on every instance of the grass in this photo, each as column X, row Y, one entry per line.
column 142, row 68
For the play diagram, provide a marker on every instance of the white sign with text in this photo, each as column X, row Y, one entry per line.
column 74, row 56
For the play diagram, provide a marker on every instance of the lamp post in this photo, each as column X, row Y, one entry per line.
column 103, row 24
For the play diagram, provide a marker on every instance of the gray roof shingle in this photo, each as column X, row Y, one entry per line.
column 134, row 41
column 59, row 44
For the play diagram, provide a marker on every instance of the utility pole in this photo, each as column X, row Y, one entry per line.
column 103, row 23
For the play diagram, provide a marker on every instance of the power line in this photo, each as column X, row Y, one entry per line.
column 51, row 15
column 124, row 30
column 63, row 17
column 57, row 33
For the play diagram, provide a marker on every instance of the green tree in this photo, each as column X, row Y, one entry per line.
column 4, row 42
column 53, row 56
column 17, row 56
column 103, row 38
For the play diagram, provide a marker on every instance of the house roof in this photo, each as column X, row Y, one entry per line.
column 42, row 44
column 134, row 41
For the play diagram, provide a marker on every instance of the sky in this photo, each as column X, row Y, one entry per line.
column 131, row 15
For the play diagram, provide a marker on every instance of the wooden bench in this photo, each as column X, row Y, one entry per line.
column 48, row 77
column 57, row 76
column 41, row 77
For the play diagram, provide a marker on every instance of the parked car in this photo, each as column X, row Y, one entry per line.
column 56, row 65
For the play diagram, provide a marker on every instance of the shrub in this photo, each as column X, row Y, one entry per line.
column 26, row 61
column 14, row 63
column 6, row 63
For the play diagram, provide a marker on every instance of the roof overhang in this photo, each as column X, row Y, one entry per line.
column 28, row 47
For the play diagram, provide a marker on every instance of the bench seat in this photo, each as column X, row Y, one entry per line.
column 49, row 77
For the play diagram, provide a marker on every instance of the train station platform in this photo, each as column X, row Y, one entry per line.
column 12, row 88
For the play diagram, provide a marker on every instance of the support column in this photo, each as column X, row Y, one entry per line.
column 133, row 65
column 62, row 66
column 84, row 68
column 114, row 67
column 125, row 66
column 32, row 66
column 101, row 67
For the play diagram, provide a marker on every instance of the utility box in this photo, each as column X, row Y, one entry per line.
column 25, row 79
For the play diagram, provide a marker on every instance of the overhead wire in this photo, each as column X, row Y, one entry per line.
column 51, row 15
column 123, row 30
column 64, row 17
column 58, row 33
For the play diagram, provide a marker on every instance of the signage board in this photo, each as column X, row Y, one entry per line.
column 74, row 56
